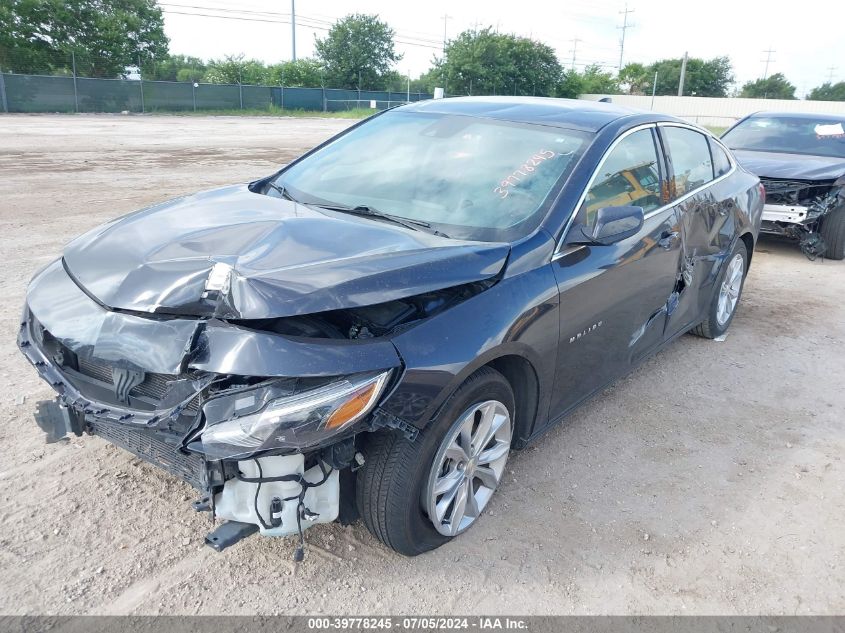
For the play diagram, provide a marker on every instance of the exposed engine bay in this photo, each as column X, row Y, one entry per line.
column 182, row 405
column 795, row 208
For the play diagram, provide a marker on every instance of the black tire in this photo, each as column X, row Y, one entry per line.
column 710, row 326
column 832, row 231
column 390, row 483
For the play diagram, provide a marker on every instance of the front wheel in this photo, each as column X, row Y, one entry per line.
column 416, row 495
column 728, row 292
column 832, row 230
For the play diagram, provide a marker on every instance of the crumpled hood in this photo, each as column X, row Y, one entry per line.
column 791, row 166
column 286, row 258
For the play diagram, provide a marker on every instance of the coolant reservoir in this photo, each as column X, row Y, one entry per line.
column 237, row 502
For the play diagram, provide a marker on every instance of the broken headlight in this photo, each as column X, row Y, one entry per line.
column 293, row 421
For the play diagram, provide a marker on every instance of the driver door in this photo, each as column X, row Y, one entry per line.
column 613, row 298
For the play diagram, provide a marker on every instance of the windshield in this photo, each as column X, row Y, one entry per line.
column 793, row 135
column 466, row 177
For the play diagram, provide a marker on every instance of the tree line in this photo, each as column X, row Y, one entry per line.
column 105, row 38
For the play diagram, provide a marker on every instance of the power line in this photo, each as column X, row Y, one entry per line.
column 302, row 20
column 625, row 26
column 278, row 18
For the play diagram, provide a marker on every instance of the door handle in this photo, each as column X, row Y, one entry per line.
column 667, row 239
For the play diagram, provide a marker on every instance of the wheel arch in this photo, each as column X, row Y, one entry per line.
column 521, row 373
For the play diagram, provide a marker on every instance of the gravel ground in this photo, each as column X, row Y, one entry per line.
column 710, row 481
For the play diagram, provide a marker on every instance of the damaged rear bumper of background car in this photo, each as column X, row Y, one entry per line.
column 202, row 398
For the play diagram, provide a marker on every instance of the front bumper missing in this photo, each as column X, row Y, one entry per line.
column 788, row 214
column 189, row 354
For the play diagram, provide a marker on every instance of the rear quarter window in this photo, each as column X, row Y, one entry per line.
column 721, row 162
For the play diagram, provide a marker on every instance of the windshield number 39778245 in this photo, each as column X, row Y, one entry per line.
column 522, row 172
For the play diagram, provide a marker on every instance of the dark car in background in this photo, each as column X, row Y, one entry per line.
column 800, row 158
column 370, row 330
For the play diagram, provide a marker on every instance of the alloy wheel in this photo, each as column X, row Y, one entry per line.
column 468, row 467
column 729, row 290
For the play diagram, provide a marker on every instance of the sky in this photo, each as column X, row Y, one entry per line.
column 807, row 44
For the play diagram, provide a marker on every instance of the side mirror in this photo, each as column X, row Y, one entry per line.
column 614, row 224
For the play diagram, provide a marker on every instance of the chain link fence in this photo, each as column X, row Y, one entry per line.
column 81, row 82
column 44, row 93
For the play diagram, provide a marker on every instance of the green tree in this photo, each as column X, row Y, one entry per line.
column 486, row 62
column 636, row 78
column 358, row 51
column 704, row 78
column 303, row 73
column 105, row 35
column 234, row 69
column 828, row 92
column 593, row 80
column 773, row 87
column 175, row 68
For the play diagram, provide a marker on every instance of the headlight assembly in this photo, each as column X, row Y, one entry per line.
column 293, row 421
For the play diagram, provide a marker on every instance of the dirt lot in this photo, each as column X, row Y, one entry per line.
column 710, row 481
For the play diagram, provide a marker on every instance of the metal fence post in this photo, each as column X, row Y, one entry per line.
column 241, row 94
column 141, row 85
column 3, row 93
column 324, row 100
column 194, row 93
column 75, row 92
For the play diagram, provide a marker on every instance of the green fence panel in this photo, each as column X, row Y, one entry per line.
column 218, row 97
column 108, row 95
column 36, row 93
column 168, row 96
column 302, row 98
column 257, row 97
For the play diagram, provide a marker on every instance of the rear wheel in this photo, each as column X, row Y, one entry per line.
column 832, row 230
column 415, row 496
column 726, row 296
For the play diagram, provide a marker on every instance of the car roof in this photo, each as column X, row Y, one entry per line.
column 799, row 115
column 579, row 114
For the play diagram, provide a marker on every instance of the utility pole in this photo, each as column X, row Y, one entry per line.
column 768, row 61
column 574, row 50
column 625, row 26
column 830, row 71
column 446, row 18
column 683, row 75
column 293, row 30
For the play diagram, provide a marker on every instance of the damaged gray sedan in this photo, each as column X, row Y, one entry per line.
column 800, row 159
column 369, row 331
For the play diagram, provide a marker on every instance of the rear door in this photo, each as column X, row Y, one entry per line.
column 613, row 298
column 705, row 206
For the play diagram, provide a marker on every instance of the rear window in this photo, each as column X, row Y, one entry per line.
column 792, row 135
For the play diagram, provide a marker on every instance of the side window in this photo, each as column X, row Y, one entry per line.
column 629, row 176
column 690, row 155
column 721, row 162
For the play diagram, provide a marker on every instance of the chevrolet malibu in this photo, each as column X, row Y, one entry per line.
column 369, row 331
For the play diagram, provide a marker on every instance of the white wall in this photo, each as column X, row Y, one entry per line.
column 720, row 112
